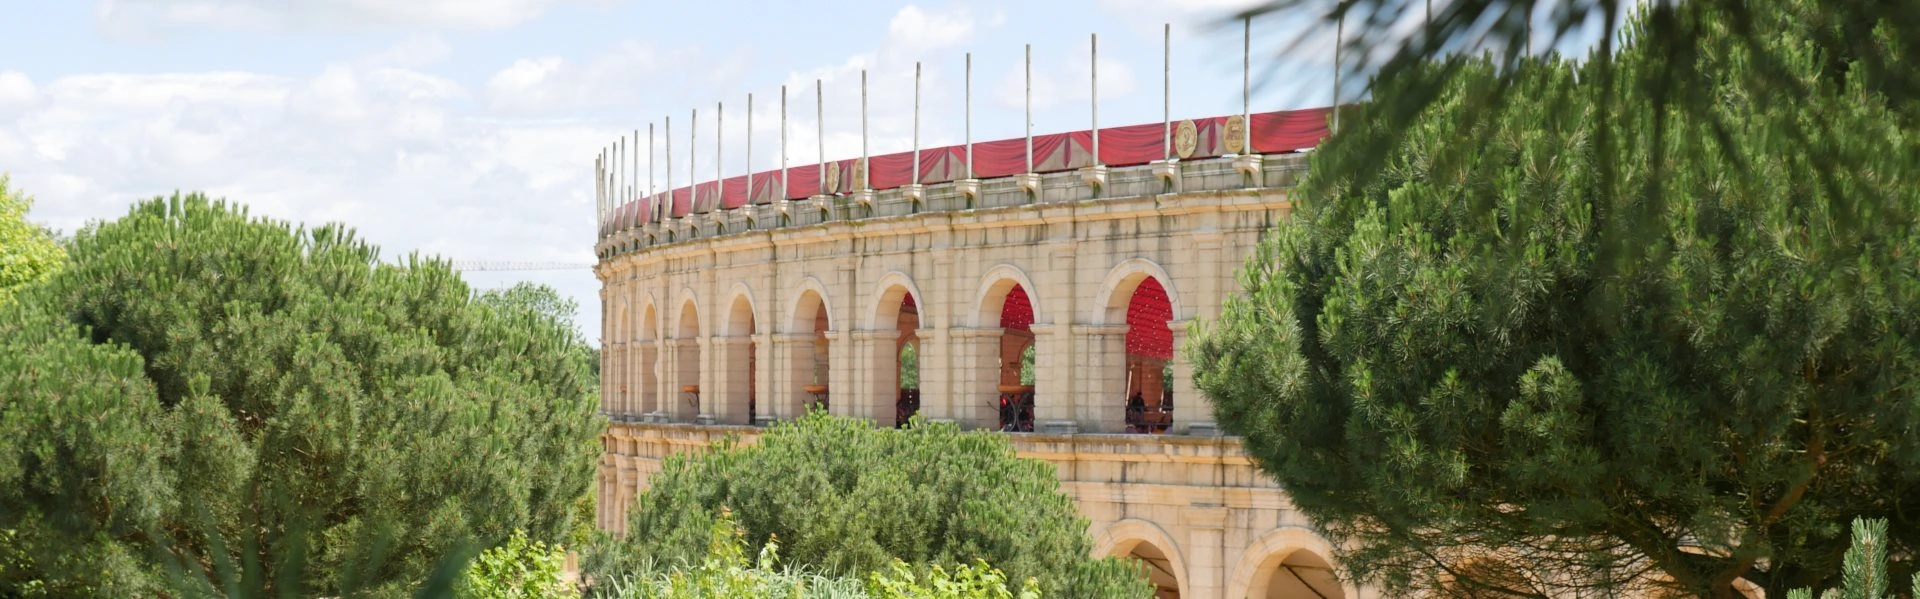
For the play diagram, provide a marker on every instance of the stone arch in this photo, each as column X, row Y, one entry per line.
column 887, row 297
column 646, row 345
column 896, row 316
column 1263, row 558
column 1123, row 538
column 743, row 315
column 615, row 397
column 800, row 317
column 735, row 383
column 1117, row 289
column 994, row 286
column 687, row 357
column 805, row 368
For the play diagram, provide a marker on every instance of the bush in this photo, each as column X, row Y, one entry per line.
column 518, row 569
column 847, row 499
column 725, row 572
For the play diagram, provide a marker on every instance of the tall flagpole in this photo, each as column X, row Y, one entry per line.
column 820, row 123
column 1339, row 39
column 1029, row 108
column 865, row 169
column 1166, row 93
column 783, row 144
column 719, row 135
column 693, row 176
column 668, row 171
column 599, row 196
column 1093, row 90
column 916, row 123
column 749, row 147
column 653, row 200
column 1246, row 86
column 619, row 179
column 969, row 115
column 634, row 197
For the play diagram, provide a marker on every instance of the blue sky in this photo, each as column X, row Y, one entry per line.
column 467, row 128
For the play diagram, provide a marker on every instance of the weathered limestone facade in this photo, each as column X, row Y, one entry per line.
column 716, row 322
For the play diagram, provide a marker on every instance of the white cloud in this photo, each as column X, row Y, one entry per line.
column 615, row 77
column 1064, row 79
column 145, row 15
column 385, row 150
column 17, row 92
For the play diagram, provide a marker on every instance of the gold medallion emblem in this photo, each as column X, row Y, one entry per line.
column 833, row 177
column 1236, row 132
column 859, row 174
column 1186, row 139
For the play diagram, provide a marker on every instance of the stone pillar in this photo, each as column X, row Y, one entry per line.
column 655, row 362
column 728, row 402
column 607, row 363
column 976, row 376
column 795, row 370
column 843, row 374
column 711, row 357
column 1190, row 407
column 936, row 375
column 1206, row 552
column 1053, row 404
column 876, row 384
column 1103, row 377
column 763, row 379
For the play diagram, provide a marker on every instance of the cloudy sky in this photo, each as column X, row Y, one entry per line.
column 467, row 128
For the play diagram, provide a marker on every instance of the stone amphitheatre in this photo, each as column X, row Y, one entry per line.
column 1038, row 286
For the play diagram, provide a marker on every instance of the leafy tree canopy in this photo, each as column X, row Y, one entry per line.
column 1449, row 361
column 846, row 498
column 27, row 252
column 233, row 405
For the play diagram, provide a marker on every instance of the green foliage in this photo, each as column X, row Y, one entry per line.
column 27, row 252
column 910, row 366
column 725, row 572
column 1448, row 356
column 230, row 405
column 1864, row 571
column 846, row 498
column 518, row 569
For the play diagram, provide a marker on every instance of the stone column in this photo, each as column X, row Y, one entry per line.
column 936, row 375
column 843, row 368
column 710, row 375
column 875, row 384
column 795, row 370
column 1053, row 404
column 1102, row 361
column 763, row 379
column 728, row 403
column 1191, row 409
column 1206, row 552
column 976, row 376
column 657, row 404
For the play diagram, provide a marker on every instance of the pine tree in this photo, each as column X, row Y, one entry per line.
column 209, row 402
column 1453, row 365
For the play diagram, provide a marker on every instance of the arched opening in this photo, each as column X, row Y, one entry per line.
column 1016, row 350
column 740, row 403
column 1154, row 566
column 648, row 388
column 1149, row 362
column 1302, row 574
column 687, row 357
column 906, row 353
column 810, row 355
column 613, row 398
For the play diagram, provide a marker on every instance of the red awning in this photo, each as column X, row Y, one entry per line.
column 1017, row 312
column 1147, row 317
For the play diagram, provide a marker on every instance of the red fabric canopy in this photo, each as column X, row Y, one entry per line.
column 1147, row 317
column 1271, row 132
column 1017, row 312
